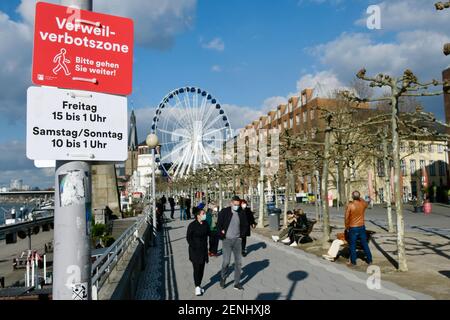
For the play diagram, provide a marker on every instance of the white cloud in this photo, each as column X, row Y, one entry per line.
column 15, row 165
column 15, row 69
column 272, row 103
column 419, row 50
column 324, row 83
column 216, row 44
column 407, row 14
column 157, row 22
column 216, row 68
column 241, row 116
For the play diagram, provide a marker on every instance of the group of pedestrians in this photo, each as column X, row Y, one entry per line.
column 232, row 227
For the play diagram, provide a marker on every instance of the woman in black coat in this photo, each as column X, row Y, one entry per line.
column 250, row 223
column 197, row 238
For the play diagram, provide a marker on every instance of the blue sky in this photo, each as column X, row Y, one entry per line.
column 251, row 54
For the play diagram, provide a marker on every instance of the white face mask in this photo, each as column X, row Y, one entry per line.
column 235, row 208
column 244, row 206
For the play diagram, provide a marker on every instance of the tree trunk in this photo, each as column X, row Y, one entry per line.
column 387, row 180
column 261, row 199
column 220, row 194
column 317, row 192
column 343, row 197
column 397, row 176
column 349, row 182
column 286, row 198
column 326, row 210
column 275, row 191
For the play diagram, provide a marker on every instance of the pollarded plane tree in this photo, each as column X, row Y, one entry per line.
column 406, row 85
column 441, row 6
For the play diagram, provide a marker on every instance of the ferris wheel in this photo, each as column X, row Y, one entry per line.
column 192, row 128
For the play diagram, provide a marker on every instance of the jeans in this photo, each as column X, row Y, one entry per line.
column 172, row 211
column 182, row 213
column 353, row 235
column 235, row 246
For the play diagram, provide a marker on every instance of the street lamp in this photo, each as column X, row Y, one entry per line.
column 152, row 142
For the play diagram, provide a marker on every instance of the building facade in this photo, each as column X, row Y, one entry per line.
column 302, row 116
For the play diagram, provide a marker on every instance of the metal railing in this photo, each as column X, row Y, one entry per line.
column 103, row 266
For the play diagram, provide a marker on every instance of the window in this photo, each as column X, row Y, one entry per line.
column 305, row 116
column 403, row 167
column 421, row 148
column 380, row 168
column 442, row 169
column 432, row 167
column 412, row 148
column 422, row 164
column 313, row 134
column 312, row 114
column 430, row 148
column 402, row 147
column 440, row 148
column 381, row 194
column 412, row 165
column 297, row 119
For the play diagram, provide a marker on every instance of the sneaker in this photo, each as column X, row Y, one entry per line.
column 203, row 290
column 276, row 238
column 222, row 283
column 198, row 291
column 238, row 287
column 287, row 240
column 244, row 253
column 293, row 244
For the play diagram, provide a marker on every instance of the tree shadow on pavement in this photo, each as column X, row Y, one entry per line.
column 256, row 246
column 252, row 269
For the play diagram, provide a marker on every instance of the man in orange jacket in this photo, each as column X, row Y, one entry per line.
column 354, row 225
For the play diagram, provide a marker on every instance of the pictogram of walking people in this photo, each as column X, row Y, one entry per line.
column 60, row 60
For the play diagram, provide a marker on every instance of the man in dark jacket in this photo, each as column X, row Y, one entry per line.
column 172, row 207
column 250, row 223
column 232, row 226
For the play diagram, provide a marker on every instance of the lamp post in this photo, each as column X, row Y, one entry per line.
column 152, row 142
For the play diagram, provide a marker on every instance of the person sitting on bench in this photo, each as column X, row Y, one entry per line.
column 335, row 247
column 285, row 231
column 300, row 223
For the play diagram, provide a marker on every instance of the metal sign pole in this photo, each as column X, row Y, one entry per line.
column 72, row 251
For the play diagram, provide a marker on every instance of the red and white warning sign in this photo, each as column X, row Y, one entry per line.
column 84, row 50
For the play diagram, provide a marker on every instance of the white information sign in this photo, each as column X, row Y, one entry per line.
column 75, row 125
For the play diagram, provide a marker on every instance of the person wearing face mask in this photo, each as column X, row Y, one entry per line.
column 197, row 238
column 232, row 226
column 211, row 219
column 250, row 223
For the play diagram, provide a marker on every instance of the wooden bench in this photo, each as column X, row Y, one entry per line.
column 302, row 235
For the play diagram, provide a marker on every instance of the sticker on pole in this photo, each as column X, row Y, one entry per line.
column 80, row 291
column 75, row 125
column 84, row 50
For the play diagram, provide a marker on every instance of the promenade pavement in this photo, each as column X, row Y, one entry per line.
column 271, row 271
